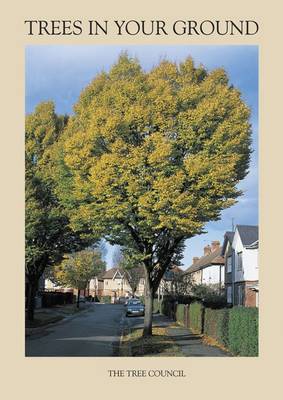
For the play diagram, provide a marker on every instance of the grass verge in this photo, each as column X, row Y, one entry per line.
column 43, row 319
column 54, row 314
column 158, row 345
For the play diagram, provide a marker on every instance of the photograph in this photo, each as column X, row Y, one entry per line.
column 141, row 200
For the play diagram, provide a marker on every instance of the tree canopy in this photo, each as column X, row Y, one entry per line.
column 151, row 157
column 47, row 231
column 77, row 269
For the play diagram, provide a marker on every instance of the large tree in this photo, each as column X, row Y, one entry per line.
column 153, row 156
column 77, row 269
column 47, row 233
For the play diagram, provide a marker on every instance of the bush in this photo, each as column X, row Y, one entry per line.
column 166, row 307
column 236, row 328
column 209, row 296
column 105, row 299
column 180, row 314
column 141, row 298
column 243, row 331
column 156, row 306
column 210, row 323
column 216, row 324
column 222, row 326
column 195, row 315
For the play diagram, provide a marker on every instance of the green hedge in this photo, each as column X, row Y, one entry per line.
column 195, row 312
column 243, row 331
column 156, row 306
column 180, row 314
column 165, row 307
column 236, row 328
column 216, row 324
column 105, row 299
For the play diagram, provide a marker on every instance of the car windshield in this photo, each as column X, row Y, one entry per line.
column 134, row 302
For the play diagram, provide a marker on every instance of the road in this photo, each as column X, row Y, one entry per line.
column 94, row 333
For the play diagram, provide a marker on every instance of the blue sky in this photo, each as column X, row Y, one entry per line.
column 59, row 73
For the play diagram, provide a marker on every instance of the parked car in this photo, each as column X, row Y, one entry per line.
column 134, row 307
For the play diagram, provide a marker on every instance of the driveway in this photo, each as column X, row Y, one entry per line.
column 94, row 333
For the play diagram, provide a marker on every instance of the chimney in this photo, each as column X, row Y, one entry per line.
column 215, row 244
column 207, row 250
column 195, row 259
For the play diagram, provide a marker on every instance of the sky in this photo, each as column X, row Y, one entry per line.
column 59, row 73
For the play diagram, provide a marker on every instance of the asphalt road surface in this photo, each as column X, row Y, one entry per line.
column 94, row 333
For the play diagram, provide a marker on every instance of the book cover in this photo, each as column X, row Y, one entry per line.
column 141, row 170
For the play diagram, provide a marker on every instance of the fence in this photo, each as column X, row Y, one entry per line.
column 50, row 299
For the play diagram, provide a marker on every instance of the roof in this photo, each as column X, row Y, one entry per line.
column 214, row 258
column 110, row 273
column 248, row 234
column 228, row 238
column 100, row 275
column 169, row 273
column 253, row 245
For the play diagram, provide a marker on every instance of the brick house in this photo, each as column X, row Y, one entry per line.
column 114, row 282
column 240, row 250
column 208, row 269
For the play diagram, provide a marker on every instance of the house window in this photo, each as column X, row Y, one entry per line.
column 229, row 264
column 240, row 296
column 229, row 294
column 240, row 261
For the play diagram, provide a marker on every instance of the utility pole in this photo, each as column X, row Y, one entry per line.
column 233, row 227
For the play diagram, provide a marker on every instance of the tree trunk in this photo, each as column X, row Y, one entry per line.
column 149, row 294
column 78, row 299
column 32, row 287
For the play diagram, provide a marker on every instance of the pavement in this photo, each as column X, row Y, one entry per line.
column 190, row 344
column 93, row 333
column 48, row 316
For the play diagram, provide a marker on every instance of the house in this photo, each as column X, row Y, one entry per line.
column 240, row 250
column 95, row 286
column 115, row 283
column 54, row 287
column 170, row 282
column 208, row 269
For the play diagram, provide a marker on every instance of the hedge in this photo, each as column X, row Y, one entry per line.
column 180, row 314
column 156, row 306
column 243, row 331
column 236, row 328
column 166, row 307
column 216, row 324
column 195, row 315
column 105, row 299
